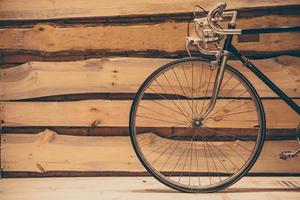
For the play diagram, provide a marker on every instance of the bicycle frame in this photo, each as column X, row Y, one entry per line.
column 247, row 63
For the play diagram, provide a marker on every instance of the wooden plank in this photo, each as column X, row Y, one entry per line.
column 48, row 152
column 121, row 75
column 36, row 79
column 46, row 40
column 80, row 44
column 46, row 9
column 115, row 113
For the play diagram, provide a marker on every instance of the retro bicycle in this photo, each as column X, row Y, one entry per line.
column 198, row 125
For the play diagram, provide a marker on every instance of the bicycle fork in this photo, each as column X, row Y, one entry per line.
column 217, row 85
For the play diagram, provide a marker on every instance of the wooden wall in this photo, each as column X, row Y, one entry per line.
column 65, row 92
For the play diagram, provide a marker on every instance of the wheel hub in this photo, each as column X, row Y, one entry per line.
column 197, row 122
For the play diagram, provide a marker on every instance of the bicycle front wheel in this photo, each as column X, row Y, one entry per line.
column 182, row 149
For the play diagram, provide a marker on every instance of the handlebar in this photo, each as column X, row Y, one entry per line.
column 217, row 14
column 209, row 33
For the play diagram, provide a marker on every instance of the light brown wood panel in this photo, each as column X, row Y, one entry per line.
column 166, row 37
column 53, row 9
column 116, row 113
column 36, row 79
column 47, row 151
column 121, row 75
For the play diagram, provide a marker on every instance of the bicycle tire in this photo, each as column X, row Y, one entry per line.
column 162, row 177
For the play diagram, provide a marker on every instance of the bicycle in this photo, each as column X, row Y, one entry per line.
column 198, row 125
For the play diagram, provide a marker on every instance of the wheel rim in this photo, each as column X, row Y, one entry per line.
column 180, row 148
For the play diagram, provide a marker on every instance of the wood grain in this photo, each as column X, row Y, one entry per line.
column 94, row 113
column 121, row 75
column 47, row 151
column 55, row 9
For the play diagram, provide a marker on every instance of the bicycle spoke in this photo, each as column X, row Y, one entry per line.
column 226, row 157
column 181, row 87
column 216, row 133
column 199, row 89
column 172, row 135
column 166, row 106
column 226, row 115
column 220, row 160
column 191, row 141
column 146, row 108
column 172, row 101
column 178, row 142
column 235, row 152
column 160, row 120
column 180, row 112
column 188, row 153
column 228, row 92
column 185, row 111
column 196, row 149
column 162, row 152
column 212, row 158
column 187, row 82
column 227, row 81
column 206, row 91
column 245, row 103
column 181, row 156
column 206, row 159
column 228, row 103
column 191, row 150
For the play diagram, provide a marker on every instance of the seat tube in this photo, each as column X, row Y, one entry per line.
column 217, row 85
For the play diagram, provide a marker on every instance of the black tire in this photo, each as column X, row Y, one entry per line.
column 210, row 139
